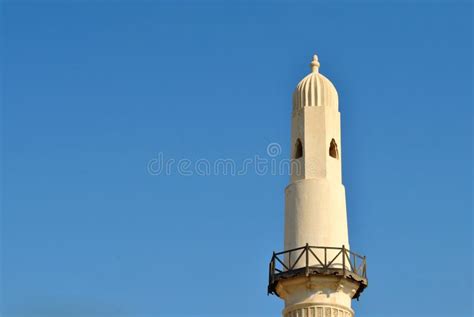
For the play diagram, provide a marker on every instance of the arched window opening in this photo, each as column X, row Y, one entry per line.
column 298, row 149
column 333, row 151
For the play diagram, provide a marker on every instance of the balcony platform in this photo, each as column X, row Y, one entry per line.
column 314, row 261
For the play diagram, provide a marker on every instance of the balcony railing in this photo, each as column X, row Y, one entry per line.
column 312, row 260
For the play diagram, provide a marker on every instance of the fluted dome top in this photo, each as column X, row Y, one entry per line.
column 315, row 90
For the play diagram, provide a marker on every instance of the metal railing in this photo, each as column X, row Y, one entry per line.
column 314, row 260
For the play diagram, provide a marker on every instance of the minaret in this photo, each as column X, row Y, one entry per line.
column 317, row 274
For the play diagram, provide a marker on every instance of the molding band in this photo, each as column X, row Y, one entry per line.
column 317, row 310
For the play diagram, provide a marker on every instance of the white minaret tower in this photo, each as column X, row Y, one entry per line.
column 317, row 274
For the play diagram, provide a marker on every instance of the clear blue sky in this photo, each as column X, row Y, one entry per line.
column 93, row 90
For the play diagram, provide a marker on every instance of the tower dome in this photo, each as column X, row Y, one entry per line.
column 314, row 90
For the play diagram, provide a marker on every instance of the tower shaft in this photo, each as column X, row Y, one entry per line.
column 315, row 210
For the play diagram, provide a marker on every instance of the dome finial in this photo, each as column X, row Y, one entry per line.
column 315, row 64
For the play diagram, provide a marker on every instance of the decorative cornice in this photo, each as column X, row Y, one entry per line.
column 317, row 310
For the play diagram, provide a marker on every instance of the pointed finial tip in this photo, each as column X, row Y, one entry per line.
column 315, row 63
